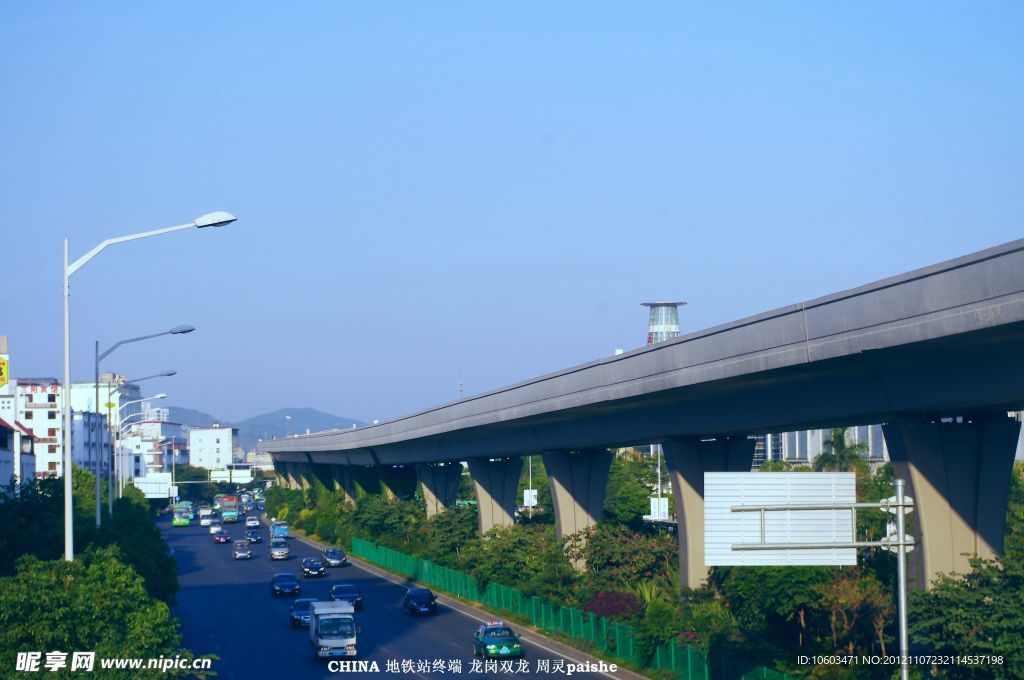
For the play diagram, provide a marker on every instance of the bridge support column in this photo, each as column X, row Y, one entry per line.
column 397, row 481
column 304, row 475
column 291, row 474
column 281, row 473
column 578, row 481
column 688, row 460
column 959, row 477
column 342, row 482
column 440, row 485
column 496, row 483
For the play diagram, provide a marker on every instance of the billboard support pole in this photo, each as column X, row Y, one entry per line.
column 900, row 504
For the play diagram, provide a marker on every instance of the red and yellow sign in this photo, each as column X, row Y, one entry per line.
column 3, row 371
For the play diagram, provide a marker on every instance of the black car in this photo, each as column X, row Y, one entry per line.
column 335, row 557
column 299, row 612
column 346, row 592
column 420, row 601
column 253, row 536
column 313, row 566
column 284, row 584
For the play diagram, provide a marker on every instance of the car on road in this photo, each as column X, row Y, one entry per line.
column 215, row 527
column 279, row 549
column 242, row 550
column 298, row 613
column 284, row 584
column 313, row 566
column 495, row 639
column 254, row 536
column 335, row 557
column 346, row 592
column 419, row 601
column 221, row 537
column 252, row 522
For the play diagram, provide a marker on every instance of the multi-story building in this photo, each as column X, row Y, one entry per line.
column 17, row 449
column 150, row 445
column 90, row 441
column 804, row 446
column 113, row 389
column 212, row 447
column 39, row 409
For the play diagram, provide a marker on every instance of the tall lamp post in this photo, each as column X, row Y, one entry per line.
column 214, row 219
column 100, row 356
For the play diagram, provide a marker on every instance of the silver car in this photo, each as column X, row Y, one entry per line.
column 279, row 549
column 242, row 550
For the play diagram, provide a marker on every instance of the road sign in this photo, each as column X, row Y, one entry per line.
column 530, row 498
column 110, row 404
column 798, row 508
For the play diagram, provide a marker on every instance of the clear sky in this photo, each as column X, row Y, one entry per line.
column 491, row 187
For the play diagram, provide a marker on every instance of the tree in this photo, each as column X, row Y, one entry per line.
column 982, row 611
column 95, row 603
column 838, row 454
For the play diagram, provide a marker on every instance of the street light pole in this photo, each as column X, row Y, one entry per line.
column 177, row 330
column 214, row 219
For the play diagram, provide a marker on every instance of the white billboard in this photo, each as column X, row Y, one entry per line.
column 724, row 528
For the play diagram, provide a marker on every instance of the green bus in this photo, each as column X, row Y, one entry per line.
column 182, row 514
column 216, row 501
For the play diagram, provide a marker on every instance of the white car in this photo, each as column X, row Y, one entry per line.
column 252, row 522
column 215, row 528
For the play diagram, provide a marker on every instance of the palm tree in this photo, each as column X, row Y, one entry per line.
column 838, row 455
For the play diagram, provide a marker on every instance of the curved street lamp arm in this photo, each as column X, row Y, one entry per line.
column 104, row 355
column 77, row 264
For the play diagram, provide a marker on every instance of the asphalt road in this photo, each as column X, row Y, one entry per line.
column 226, row 609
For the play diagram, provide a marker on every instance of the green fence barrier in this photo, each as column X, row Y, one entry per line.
column 607, row 635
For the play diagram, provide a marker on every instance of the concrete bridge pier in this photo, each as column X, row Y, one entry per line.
column 397, row 481
column 440, row 485
column 688, row 460
column 496, row 483
column 578, row 481
column 958, row 474
column 281, row 474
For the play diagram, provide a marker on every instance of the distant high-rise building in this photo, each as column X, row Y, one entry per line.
column 663, row 322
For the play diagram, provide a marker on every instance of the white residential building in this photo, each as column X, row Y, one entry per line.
column 17, row 449
column 212, row 447
column 39, row 410
column 90, row 441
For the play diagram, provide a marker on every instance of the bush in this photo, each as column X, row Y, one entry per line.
column 615, row 605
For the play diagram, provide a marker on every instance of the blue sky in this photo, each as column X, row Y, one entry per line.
column 424, row 188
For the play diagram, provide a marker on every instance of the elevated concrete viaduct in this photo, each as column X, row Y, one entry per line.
column 911, row 351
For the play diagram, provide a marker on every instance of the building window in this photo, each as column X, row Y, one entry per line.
column 28, row 415
column 52, row 467
column 3, row 441
column 51, row 432
column 52, row 448
column 52, row 398
column 52, row 415
column 218, row 441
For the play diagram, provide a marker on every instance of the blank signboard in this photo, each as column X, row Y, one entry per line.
column 724, row 528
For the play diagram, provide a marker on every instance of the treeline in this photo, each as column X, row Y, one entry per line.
column 629, row 571
column 113, row 599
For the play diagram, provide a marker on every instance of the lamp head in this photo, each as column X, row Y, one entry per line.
column 168, row 374
column 157, row 396
column 218, row 218
column 181, row 330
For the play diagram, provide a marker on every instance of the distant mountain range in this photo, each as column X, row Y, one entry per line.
column 278, row 423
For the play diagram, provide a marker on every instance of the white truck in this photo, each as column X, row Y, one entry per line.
column 332, row 629
column 205, row 515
